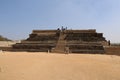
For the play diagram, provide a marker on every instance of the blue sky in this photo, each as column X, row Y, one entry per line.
column 19, row 17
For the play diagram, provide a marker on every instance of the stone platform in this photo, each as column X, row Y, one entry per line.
column 63, row 41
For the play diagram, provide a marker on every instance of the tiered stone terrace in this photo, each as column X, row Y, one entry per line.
column 78, row 41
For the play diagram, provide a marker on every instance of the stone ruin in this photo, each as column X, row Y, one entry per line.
column 63, row 41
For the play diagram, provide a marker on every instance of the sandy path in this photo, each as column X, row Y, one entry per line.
column 43, row 66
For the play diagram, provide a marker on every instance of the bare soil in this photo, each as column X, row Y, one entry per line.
column 47, row 66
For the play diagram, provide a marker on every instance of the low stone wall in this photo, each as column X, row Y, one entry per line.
column 82, row 31
column 6, row 48
column 112, row 50
column 43, row 31
column 7, row 43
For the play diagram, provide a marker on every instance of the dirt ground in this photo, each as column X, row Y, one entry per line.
column 51, row 66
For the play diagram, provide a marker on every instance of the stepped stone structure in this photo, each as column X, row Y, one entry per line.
column 63, row 41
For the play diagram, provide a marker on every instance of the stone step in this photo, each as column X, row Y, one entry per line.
column 87, row 51
column 60, row 46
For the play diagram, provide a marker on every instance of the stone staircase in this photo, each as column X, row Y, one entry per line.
column 60, row 46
